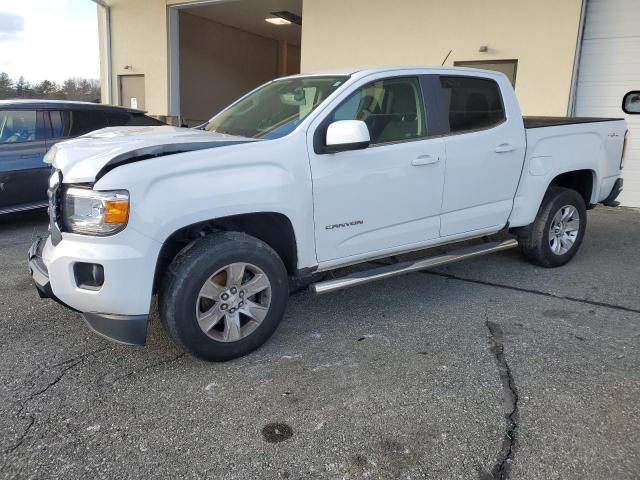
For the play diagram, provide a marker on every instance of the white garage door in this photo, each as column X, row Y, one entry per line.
column 609, row 68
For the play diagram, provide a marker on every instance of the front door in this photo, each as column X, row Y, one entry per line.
column 23, row 175
column 389, row 194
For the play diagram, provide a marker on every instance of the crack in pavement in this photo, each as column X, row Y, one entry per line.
column 149, row 366
column 532, row 291
column 70, row 364
column 502, row 467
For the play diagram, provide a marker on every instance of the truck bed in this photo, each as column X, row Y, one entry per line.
column 539, row 122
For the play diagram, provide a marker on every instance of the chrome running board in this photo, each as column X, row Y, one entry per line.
column 393, row 270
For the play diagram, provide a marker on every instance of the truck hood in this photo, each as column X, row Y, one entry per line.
column 87, row 158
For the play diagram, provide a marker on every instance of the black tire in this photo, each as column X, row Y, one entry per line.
column 534, row 239
column 179, row 292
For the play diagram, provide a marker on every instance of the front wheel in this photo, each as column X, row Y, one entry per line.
column 557, row 232
column 224, row 296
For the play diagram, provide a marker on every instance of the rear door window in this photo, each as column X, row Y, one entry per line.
column 17, row 126
column 72, row 123
column 472, row 103
column 60, row 124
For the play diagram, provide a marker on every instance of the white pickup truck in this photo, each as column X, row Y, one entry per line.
column 308, row 174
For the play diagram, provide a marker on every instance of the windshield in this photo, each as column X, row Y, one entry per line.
column 275, row 109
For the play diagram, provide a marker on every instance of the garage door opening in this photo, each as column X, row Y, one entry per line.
column 227, row 48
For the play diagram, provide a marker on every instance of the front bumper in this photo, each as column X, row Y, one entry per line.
column 40, row 274
column 121, row 328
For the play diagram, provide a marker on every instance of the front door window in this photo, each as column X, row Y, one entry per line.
column 17, row 126
column 391, row 108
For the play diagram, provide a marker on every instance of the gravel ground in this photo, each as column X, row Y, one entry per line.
column 486, row 369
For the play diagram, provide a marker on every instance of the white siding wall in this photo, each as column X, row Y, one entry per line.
column 609, row 68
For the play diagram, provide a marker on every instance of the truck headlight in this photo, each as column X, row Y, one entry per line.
column 90, row 212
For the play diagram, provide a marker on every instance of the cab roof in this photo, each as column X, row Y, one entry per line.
column 24, row 103
column 363, row 72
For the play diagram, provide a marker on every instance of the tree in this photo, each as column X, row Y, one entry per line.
column 6, row 86
column 23, row 88
column 70, row 89
column 47, row 89
column 84, row 89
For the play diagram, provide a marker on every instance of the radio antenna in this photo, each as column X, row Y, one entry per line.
column 445, row 58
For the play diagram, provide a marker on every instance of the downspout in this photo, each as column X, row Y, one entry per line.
column 107, row 66
column 571, row 107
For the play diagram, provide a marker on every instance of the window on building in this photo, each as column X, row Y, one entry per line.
column 72, row 123
column 17, row 126
column 508, row 67
column 391, row 108
column 472, row 103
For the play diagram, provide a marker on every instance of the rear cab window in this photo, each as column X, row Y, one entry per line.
column 141, row 121
column 472, row 103
column 117, row 119
column 131, row 119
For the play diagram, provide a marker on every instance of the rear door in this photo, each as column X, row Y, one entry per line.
column 23, row 175
column 387, row 195
column 485, row 152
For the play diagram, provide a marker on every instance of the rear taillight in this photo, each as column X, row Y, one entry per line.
column 624, row 148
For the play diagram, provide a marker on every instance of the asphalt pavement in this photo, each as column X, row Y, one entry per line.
column 486, row 369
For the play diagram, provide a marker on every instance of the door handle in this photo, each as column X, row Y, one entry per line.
column 504, row 148
column 425, row 160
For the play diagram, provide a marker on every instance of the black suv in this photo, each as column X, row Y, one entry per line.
column 28, row 128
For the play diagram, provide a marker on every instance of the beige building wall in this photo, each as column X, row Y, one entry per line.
column 139, row 40
column 211, row 76
column 540, row 34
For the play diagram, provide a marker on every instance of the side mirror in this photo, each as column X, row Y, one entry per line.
column 345, row 135
column 631, row 102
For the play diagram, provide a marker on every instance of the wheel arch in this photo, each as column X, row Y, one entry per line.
column 583, row 181
column 533, row 189
column 275, row 229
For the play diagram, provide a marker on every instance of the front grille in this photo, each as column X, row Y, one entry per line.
column 54, row 192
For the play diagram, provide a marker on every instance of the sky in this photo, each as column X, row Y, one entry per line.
column 49, row 39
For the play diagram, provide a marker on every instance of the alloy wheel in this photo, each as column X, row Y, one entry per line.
column 564, row 229
column 233, row 302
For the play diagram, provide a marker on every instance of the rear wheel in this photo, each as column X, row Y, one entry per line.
column 224, row 296
column 557, row 232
